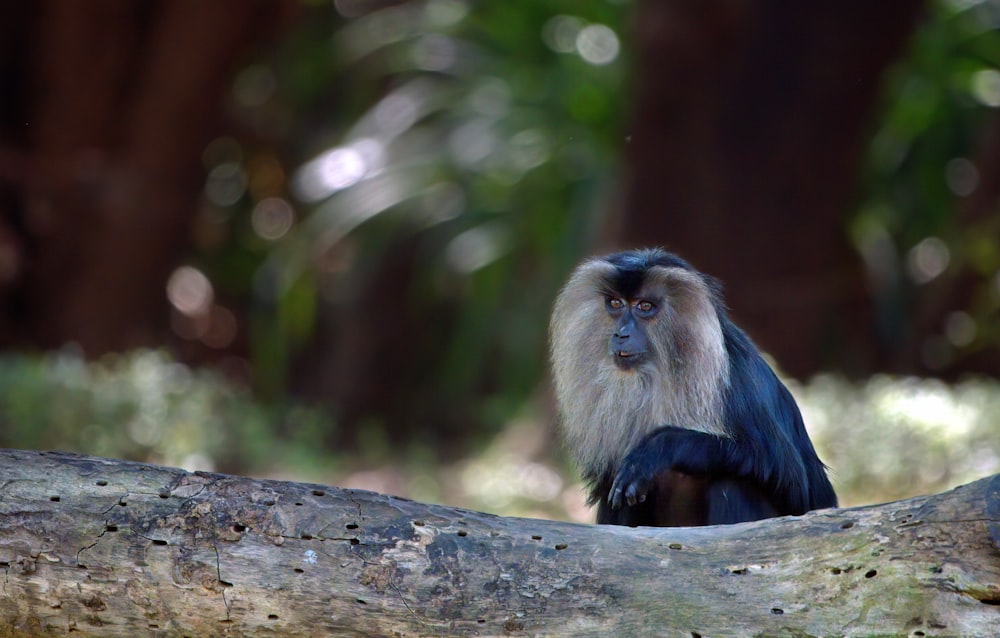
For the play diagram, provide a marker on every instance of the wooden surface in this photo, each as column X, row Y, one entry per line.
column 112, row 548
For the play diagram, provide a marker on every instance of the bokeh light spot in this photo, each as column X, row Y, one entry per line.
column 226, row 184
column 434, row 52
column 986, row 87
column 396, row 113
column 475, row 248
column 927, row 260
column 472, row 143
column 962, row 176
column 336, row 170
column 221, row 330
column 272, row 218
column 445, row 13
column 597, row 44
column 960, row 328
column 529, row 148
column 190, row 291
column 560, row 32
column 491, row 98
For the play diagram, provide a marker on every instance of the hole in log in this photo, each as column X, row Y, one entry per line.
column 225, row 583
column 871, row 573
column 159, row 541
column 272, row 616
column 111, row 528
column 536, row 537
column 101, row 483
column 54, row 499
column 297, row 504
column 319, row 493
column 462, row 532
column 836, row 571
column 239, row 528
column 164, row 494
column 299, row 570
column 417, row 523
column 777, row 611
column 306, row 537
column 360, row 602
column 355, row 541
column 355, row 525
column 561, row 546
column 675, row 546
column 847, row 525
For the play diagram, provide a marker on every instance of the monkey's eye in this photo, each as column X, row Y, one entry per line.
column 645, row 308
column 614, row 303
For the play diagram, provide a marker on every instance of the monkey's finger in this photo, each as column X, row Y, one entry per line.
column 617, row 492
column 633, row 494
column 615, row 498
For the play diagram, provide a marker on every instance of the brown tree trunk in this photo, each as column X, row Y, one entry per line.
column 100, row 157
column 743, row 154
column 113, row 548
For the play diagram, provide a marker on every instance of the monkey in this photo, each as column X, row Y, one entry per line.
column 668, row 408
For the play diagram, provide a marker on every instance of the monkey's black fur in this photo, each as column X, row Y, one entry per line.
column 765, row 465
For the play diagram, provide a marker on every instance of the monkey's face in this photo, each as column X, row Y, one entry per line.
column 629, row 344
column 636, row 343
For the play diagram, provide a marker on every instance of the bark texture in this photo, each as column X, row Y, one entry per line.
column 113, row 548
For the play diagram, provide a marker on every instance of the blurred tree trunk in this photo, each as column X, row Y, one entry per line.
column 109, row 105
column 743, row 154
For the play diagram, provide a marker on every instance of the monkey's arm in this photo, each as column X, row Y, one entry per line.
column 695, row 453
column 767, row 447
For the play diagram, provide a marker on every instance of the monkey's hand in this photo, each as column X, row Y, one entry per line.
column 631, row 485
column 673, row 448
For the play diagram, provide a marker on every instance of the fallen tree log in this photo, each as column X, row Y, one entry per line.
column 114, row 548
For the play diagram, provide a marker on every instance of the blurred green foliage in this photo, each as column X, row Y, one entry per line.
column 478, row 139
column 926, row 211
column 145, row 406
column 884, row 439
column 890, row 438
column 481, row 131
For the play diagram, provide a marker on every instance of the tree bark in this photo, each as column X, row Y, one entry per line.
column 743, row 155
column 116, row 548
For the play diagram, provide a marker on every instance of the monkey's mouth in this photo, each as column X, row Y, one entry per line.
column 628, row 359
